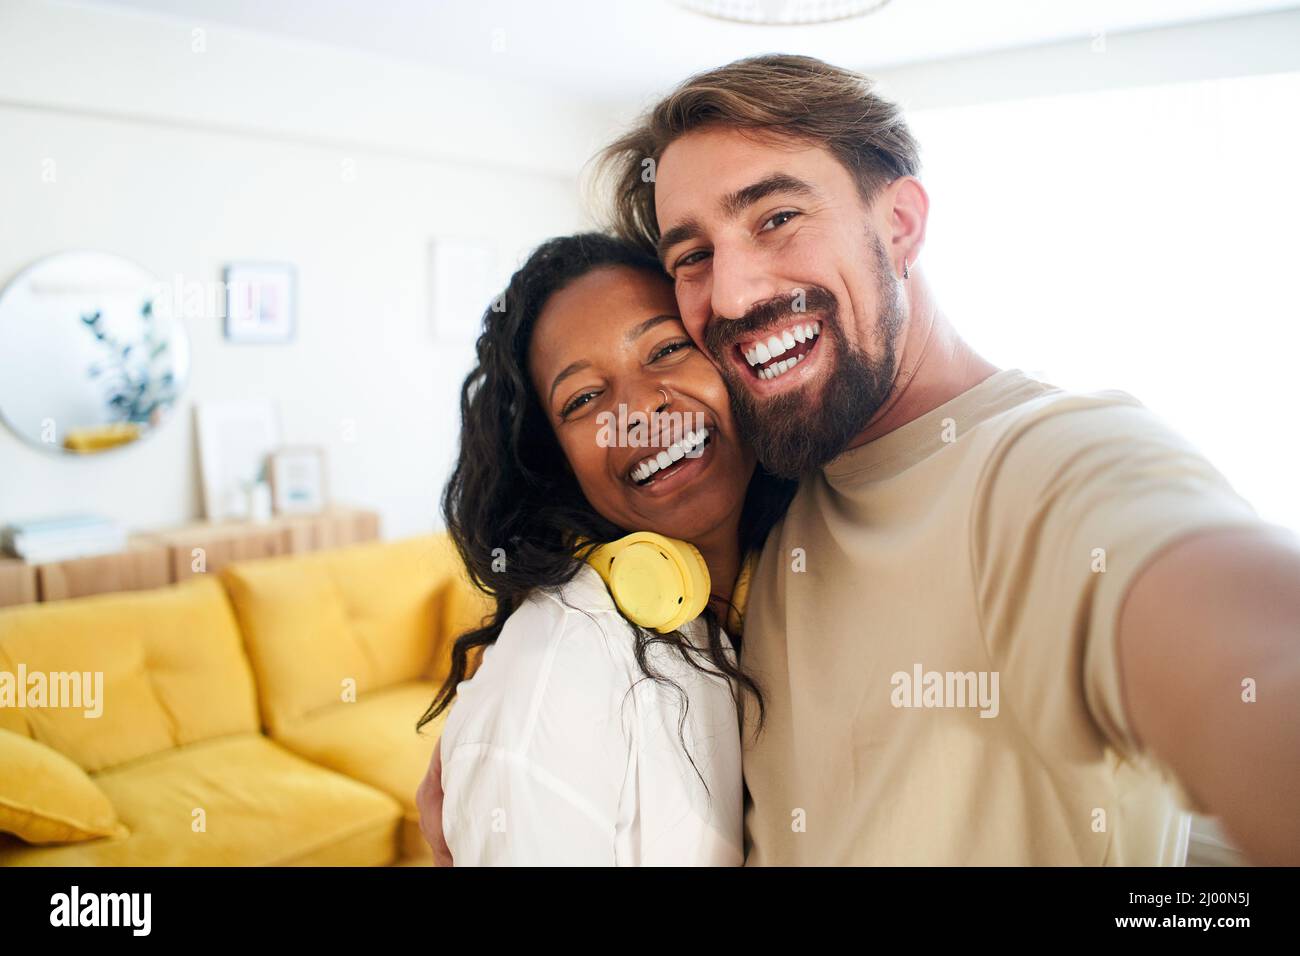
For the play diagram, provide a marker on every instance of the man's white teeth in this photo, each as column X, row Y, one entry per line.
column 673, row 453
column 780, row 368
column 762, row 352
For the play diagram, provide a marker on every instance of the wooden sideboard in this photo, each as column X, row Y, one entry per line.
column 158, row 558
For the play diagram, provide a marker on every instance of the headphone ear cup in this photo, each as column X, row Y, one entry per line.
column 696, row 584
column 656, row 581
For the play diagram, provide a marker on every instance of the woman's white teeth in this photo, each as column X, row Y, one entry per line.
column 673, row 453
column 762, row 352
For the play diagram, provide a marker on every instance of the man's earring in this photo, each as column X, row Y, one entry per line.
column 905, row 272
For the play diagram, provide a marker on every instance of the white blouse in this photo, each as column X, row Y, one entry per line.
column 558, row 752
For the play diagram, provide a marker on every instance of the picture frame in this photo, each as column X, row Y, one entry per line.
column 235, row 439
column 299, row 480
column 261, row 302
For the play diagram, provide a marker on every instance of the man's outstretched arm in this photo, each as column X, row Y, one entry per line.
column 1211, row 613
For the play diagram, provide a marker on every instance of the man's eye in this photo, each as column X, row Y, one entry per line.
column 690, row 259
column 577, row 402
column 780, row 219
column 672, row 347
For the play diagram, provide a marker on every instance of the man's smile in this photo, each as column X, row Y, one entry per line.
column 781, row 357
column 773, row 355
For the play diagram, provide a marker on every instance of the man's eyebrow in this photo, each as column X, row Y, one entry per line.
column 641, row 328
column 734, row 204
column 571, row 369
column 681, row 232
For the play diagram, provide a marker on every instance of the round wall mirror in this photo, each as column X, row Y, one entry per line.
column 91, row 357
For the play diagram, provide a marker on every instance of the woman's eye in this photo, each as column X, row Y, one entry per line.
column 672, row 347
column 577, row 402
column 780, row 219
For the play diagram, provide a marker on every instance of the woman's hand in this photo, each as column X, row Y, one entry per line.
column 428, row 800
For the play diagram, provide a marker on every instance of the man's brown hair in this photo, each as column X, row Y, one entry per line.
column 796, row 96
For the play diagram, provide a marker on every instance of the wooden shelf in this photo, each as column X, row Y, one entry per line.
column 142, row 565
column 158, row 558
column 17, row 582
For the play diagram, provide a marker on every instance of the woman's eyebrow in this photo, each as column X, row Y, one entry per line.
column 641, row 328
column 638, row 330
column 571, row 369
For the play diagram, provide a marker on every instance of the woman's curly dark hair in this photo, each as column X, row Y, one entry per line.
column 513, row 492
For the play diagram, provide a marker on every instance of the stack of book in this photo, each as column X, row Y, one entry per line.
column 59, row 538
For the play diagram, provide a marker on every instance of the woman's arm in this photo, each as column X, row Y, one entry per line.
column 503, row 809
column 535, row 752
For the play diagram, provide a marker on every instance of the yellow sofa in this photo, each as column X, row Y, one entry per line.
column 262, row 717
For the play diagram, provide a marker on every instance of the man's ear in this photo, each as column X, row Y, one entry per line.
column 909, row 211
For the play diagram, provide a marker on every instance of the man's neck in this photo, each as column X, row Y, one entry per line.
column 935, row 366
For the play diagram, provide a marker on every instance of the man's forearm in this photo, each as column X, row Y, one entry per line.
column 1209, row 647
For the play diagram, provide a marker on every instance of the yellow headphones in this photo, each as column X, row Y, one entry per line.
column 657, row 582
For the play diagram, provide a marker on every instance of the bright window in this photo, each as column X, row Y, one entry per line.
column 1142, row 239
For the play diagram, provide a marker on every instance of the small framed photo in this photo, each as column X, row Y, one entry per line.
column 298, row 483
column 260, row 302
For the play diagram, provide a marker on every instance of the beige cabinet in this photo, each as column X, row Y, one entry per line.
column 158, row 558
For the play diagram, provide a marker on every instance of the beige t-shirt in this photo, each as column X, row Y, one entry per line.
column 933, row 624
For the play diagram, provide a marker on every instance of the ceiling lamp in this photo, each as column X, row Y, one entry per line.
column 782, row 12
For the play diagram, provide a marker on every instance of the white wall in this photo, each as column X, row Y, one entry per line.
column 342, row 164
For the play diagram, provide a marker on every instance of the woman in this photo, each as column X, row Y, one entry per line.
column 582, row 738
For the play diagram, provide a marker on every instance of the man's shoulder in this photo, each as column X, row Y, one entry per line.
column 1057, row 428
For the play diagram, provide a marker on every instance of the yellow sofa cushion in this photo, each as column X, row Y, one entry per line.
column 262, row 806
column 171, row 662
column 320, row 627
column 46, row 798
column 374, row 740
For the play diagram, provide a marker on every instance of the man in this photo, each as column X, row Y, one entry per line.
column 1000, row 623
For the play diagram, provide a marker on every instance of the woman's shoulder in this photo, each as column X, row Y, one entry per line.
column 574, row 627
column 560, row 660
column 585, row 606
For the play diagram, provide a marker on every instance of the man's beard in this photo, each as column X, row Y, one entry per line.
column 793, row 433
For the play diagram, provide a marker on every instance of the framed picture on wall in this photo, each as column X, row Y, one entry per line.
column 298, row 484
column 260, row 302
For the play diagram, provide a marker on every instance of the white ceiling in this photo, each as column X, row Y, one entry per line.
column 621, row 50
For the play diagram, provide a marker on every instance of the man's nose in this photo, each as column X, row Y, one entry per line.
column 741, row 279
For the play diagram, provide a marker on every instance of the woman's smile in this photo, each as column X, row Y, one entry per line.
column 676, row 466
